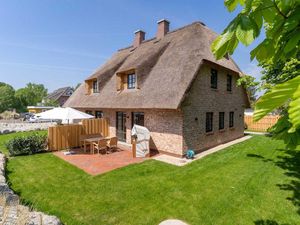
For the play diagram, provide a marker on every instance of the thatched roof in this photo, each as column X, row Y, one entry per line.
column 165, row 69
column 64, row 91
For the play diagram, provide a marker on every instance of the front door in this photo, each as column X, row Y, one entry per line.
column 121, row 126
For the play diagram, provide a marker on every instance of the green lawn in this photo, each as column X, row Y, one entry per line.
column 254, row 182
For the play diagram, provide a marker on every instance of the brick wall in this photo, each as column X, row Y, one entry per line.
column 201, row 99
column 165, row 127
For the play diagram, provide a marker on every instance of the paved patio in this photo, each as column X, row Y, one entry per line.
column 95, row 164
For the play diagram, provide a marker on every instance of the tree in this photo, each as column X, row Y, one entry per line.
column 249, row 83
column 280, row 72
column 30, row 95
column 50, row 102
column 281, row 23
column 7, row 97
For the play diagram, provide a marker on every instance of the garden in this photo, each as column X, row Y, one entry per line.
column 253, row 182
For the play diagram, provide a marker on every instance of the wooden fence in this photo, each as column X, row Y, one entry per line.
column 68, row 136
column 261, row 125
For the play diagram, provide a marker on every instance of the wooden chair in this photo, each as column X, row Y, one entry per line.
column 100, row 146
column 112, row 143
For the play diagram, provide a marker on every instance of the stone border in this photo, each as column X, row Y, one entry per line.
column 183, row 161
column 12, row 212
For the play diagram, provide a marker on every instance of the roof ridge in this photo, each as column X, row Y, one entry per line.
column 170, row 32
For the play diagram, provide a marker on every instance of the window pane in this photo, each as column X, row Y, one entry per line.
column 221, row 120
column 229, row 82
column 214, row 79
column 99, row 114
column 131, row 81
column 231, row 119
column 95, row 86
column 138, row 118
column 209, row 122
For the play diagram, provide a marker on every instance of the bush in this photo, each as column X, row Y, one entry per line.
column 27, row 145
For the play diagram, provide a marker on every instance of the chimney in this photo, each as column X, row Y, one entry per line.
column 139, row 38
column 163, row 28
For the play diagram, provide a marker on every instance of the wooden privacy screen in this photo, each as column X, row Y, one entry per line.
column 95, row 126
column 68, row 136
column 262, row 125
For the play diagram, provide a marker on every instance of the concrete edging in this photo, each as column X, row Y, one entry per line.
column 183, row 161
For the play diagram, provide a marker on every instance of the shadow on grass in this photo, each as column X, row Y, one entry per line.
column 290, row 163
column 268, row 222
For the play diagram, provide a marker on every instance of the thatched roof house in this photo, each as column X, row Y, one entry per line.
column 60, row 95
column 158, row 76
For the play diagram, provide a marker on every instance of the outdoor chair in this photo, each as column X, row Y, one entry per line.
column 112, row 143
column 100, row 146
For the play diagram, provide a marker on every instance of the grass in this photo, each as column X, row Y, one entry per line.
column 254, row 182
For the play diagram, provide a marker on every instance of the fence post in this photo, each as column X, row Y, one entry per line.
column 134, row 147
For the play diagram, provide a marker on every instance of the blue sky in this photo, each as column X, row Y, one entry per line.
column 61, row 42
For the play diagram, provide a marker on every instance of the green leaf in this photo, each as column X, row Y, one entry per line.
column 292, row 43
column 247, row 30
column 263, row 51
column 285, row 5
column 269, row 14
column 232, row 4
column 257, row 17
column 294, row 110
column 257, row 3
column 292, row 21
column 280, row 132
column 220, row 45
column 233, row 43
column 276, row 97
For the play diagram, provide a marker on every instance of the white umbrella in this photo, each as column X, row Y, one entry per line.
column 65, row 114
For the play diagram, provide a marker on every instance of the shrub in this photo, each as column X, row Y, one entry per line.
column 27, row 145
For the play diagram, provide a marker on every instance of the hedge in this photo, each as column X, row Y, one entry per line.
column 27, row 145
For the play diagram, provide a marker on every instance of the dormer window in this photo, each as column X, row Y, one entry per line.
column 95, row 86
column 126, row 80
column 131, row 78
column 91, row 86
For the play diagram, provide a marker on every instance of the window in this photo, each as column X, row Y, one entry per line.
column 229, row 82
column 89, row 112
column 131, row 81
column 95, row 86
column 99, row 114
column 221, row 120
column 231, row 119
column 214, row 79
column 209, row 122
column 138, row 118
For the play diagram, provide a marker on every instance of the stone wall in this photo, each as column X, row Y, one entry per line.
column 12, row 212
column 22, row 126
column 201, row 99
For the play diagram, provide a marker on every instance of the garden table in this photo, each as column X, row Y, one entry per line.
column 93, row 140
